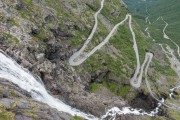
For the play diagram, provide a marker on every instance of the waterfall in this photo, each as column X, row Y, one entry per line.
column 14, row 73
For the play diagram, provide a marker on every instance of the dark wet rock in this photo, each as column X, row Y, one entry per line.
column 162, row 112
column 56, row 52
column 175, row 93
column 5, row 94
column 144, row 101
column 25, row 108
column 49, row 18
column 35, row 31
column 61, row 33
column 48, row 58
column 164, row 95
column 99, row 75
column 19, row 5
column 51, row 52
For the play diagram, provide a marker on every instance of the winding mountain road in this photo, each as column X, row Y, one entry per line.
column 136, row 80
column 76, row 59
column 72, row 60
column 14, row 73
column 167, row 37
column 11, row 71
column 148, row 15
column 175, row 64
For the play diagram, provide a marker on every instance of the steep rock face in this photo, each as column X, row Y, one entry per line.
column 40, row 41
column 17, row 104
column 42, row 35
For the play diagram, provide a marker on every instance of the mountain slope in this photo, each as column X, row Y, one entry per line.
column 42, row 35
column 169, row 10
column 159, row 19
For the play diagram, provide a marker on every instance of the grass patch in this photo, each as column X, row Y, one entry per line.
column 122, row 40
column 124, row 90
column 94, row 86
column 12, row 22
column 42, row 35
column 164, row 69
column 4, row 114
column 174, row 114
column 113, row 11
column 14, row 94
column 8, row 37
column 111, row 85
column 77, row 118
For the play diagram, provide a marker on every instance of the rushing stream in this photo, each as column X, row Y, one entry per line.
column 14, row 73
column 172, row 90
column 11, row 71
column 175, row 64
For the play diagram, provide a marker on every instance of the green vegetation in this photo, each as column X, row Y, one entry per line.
column 31, row 114
column 26, row 13
column 164, row 69
column 118, row 66
column 42, row 35
column 156, row 31
column 111, row 64
column 169, row 10
column 123, row 91
column 79, row 35
column 9, row 38
column 94, row 86
column 112, row 86
column 120, row 62
column 12, row 22
column 4, row 114
column 99, row 35
column 14, row 94
column 123, row 42
column 117, row 56
column 77, row 118
column 118, row 90
column 174, row 114
column 80, row 19
column 95, row 7
column 1, row 18
column 28, row 2
column 114, row 11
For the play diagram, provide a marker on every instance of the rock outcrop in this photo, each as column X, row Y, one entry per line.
column 17, row 104
column 41, row 35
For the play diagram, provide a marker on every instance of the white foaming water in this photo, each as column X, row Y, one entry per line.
column 112, row 113
column 14, row 73
column 172, row 91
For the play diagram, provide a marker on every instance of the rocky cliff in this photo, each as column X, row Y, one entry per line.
column 41, row 35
